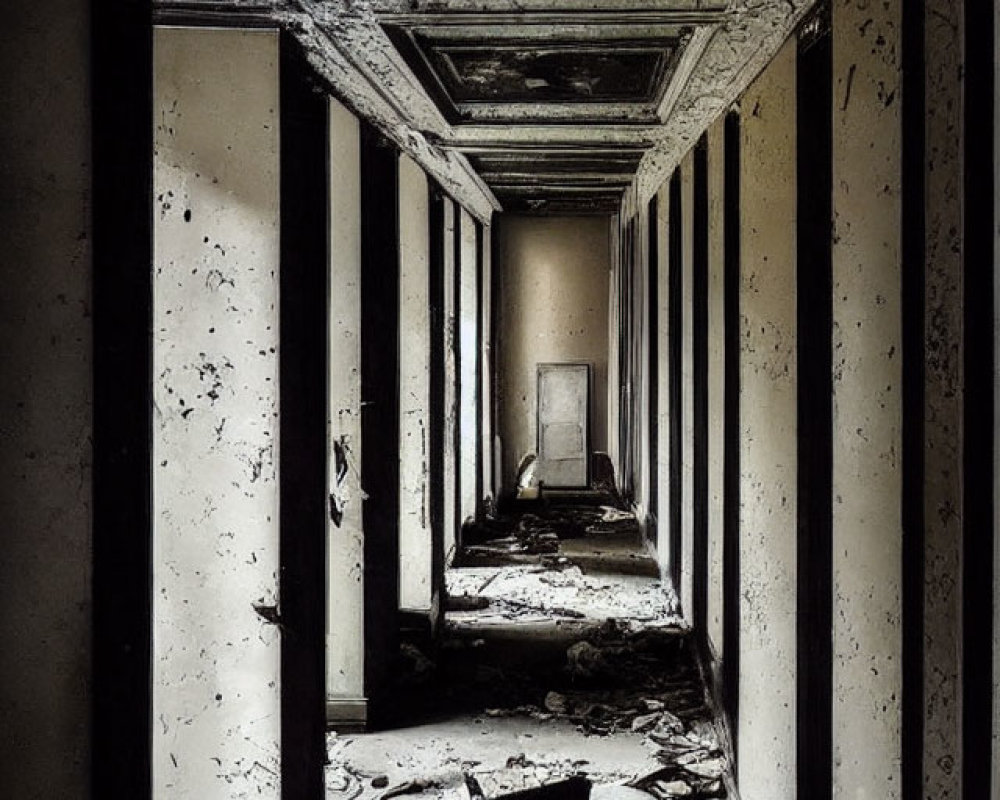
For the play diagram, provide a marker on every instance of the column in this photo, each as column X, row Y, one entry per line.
column 415, row 583
column 768, row 436
column 216, row 681
column 867, row 413
column 345, row 683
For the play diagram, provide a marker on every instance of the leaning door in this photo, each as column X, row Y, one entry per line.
column 563, row 425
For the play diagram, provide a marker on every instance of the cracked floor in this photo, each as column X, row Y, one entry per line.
column 562, row 657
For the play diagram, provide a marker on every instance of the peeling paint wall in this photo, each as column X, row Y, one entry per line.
column 768, row 444
column 686, row 590
column 45, row 400
column 345, row 685
column 554, row 308
column 450, row 384
column 662, row 376
column 613, row 393
column 867, row 532
column 468, row 307
column 716, row 378
column 415, row 584
column 216, row 694
column 870, row 751
column 641, row 312
column 486, row 374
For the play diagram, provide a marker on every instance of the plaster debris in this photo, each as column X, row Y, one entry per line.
column 543, row 674
column 585, row 532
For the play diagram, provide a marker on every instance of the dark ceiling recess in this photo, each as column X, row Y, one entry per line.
column 551, row 72
column 485, row 73
column 551, row 77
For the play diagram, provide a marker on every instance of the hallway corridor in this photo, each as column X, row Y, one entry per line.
column 458, row 398
column 567, row 662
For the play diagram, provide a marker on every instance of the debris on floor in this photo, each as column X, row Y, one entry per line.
column 595, row 537
column 549, row 682
column 556, row 590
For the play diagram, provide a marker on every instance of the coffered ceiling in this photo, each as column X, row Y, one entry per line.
column 560, row 107
column 563, row 66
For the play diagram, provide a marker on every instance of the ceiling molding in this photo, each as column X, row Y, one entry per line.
column 364, row 94
column 751, row 35
column 569, row 144
column 690, row 56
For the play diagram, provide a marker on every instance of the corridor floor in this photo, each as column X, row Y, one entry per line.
column 560, row 657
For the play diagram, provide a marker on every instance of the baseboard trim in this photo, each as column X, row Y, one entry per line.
column 347, row 714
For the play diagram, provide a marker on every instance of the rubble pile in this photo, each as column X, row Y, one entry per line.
column 554, row 589
column 549, row 681
column 540, row 531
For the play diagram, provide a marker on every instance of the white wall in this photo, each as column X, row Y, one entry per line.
column 468, row 307
column 662, row 377
column 451, row 365
column 415, row 585
column 686, row 590
column 716, row 378
column 216, row 663
column 768, row 436
column 867, row 413
column 554, row 308
column 345, row 686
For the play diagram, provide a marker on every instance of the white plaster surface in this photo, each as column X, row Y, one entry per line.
column 554, row 308
column 45, row 400
column 768, row 436
column 468, row 307
column 415, row 556
column 450, row 386
column 686, row 589
column 716, row 377
column 613, row 393
column 345, row 542
column 644, row 451
column 943, row 402
column 662, row 377
column 866, row 401
column 216, row 694
column 486, row 375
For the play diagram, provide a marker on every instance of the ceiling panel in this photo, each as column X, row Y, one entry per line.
column 583, row 69
column 551, row 72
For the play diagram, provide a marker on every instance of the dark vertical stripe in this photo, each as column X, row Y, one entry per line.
column 653, row 315
column 913, row 310
column 628, row 426
column 699, row 366
column 122, row 84
column 304, row 289
column 479, row 366
column 977, row 651
column 731, row 428
column 380, row 410
column 496, row 282
column 437, row 384
column 456, row 411
column 814, row 275
column 622, row 367
column 676, row 333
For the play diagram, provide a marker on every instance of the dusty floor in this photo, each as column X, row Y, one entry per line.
column 546, row 669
